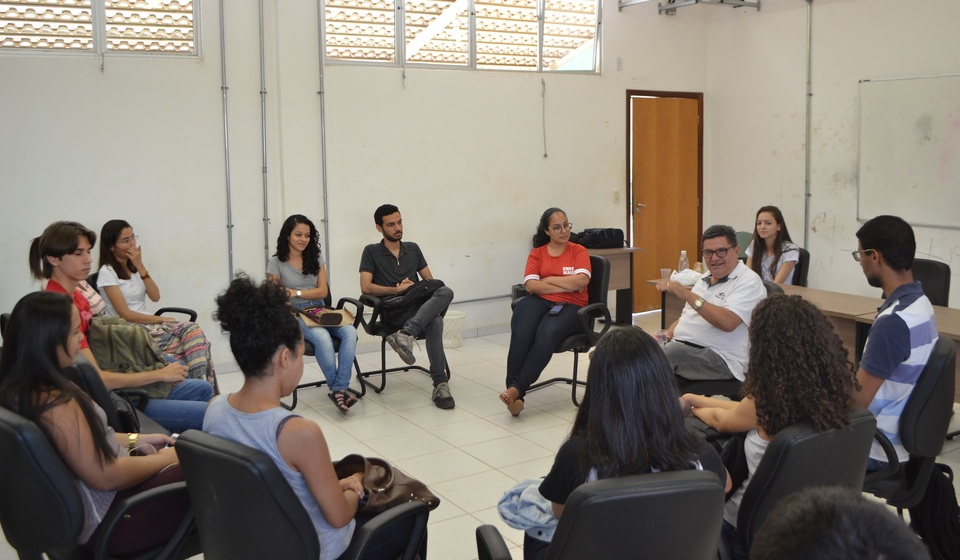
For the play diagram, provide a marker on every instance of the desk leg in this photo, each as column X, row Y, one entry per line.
column 624, row 307
column 663, row 310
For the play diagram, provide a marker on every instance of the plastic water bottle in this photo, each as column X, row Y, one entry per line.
column 684, row 262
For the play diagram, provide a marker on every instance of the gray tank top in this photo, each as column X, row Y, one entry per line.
column 260, row 431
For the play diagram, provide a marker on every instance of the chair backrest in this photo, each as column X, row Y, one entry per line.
column 599, row 285
column 801, row 269
column 244, row 506
column 86, row 377
column 926, row 416
column 657, row 515
column 743, row 240
column 934, row 277
column 772, row 287
column 800, row 457
column 40, row 509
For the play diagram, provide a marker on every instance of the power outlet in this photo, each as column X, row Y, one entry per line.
column 616, row 197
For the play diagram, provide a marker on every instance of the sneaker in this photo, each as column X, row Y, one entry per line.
column 442, row 397
column 402, row 344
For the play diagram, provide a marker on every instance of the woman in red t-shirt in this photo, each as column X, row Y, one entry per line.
column 556, row 278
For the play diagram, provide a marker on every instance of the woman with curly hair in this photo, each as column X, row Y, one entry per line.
column 798, row 372
column 297, row 266
column 772, row 254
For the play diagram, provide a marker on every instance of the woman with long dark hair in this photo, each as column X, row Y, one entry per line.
column 798, row 372
column 772, row 254
column 556, row 278
column 42, row 338
column 268, row 346
column 62, row 256
column 628, row 423
column 298, row 267
column 125, row 284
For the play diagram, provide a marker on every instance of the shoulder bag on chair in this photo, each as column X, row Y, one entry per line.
column 398, row 309
column 386, row 485
column 120, row 346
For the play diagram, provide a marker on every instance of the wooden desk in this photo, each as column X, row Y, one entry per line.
column 621, row 279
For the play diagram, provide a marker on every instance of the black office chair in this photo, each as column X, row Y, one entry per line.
column 801, row 269
column 934, row 278
column 587, row 338
column 923, row 427
column 309, row 350
column 41, row 511
column 122, row 415
column 375, row 326
column 674, row 514
column 744, row 238
column 246, row 509
column 800, row 457
column 92, row 280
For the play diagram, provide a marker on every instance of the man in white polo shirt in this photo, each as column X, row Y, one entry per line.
column 709, row 341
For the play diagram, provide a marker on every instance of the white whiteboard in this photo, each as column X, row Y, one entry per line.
column 910, row 150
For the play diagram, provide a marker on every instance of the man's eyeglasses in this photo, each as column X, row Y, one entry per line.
column 126, row 240
column 560, row 228
column 858, row 255
column 721, row 252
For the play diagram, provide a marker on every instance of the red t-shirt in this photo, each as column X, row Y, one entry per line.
column 80, row 301
column 574, row 260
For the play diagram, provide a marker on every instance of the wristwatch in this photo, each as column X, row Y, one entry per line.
column 698, row 304
column 299, row 293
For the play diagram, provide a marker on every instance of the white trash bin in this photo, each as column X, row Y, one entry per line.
column 453, row 328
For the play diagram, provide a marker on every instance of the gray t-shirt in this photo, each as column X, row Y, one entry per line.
column 292, row 278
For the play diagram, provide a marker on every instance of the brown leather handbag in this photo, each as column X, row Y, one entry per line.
column 386, row 485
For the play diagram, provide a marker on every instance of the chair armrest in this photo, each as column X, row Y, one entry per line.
column 140, row 395
column 893, row 462
column 188, row 312
column 374, row 303
column 143, row 499
column 358, row 309
column 490, row 544
column 365, row 535
column 587, row 313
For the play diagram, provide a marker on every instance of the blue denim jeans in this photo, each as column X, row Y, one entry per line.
column 534, row 334
column 335, row 366
column 429, row 319
column 184, row 407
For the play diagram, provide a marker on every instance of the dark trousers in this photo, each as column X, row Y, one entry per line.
column 534, row 334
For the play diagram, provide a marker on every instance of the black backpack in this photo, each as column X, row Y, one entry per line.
column 937, row 517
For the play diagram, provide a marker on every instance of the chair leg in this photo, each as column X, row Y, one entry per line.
column 384, row 370
column 572, row 381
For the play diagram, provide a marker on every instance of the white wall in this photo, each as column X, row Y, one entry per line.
column 460, row 152
column 756, row 110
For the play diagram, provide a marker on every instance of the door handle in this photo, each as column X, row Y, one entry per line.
column 638, row 206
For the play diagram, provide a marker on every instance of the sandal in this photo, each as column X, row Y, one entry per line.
column 340, row 401
column 516, row 407
column 351, row 398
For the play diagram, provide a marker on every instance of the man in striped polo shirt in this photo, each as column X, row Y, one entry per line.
column 903, row 335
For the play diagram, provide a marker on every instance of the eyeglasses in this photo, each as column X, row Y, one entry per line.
column 560, row 228
column 722, row 252
column 858, row 255
column 126, row 240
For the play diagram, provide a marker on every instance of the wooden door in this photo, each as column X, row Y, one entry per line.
column 665, row 164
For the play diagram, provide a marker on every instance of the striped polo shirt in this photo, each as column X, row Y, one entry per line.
column 897, row 349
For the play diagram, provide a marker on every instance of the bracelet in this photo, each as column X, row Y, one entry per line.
column 144, row 275
column 132, row 441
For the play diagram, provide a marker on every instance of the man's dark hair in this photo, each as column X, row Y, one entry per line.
column 833, row 523
column 721, row 231
column 893, row 238
column 384, row 210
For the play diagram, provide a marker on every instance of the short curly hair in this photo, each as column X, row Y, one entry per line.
column 798, row 369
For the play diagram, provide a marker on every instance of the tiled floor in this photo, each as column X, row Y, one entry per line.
column 468, row 455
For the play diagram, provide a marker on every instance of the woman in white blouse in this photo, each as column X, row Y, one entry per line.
column 125, row 283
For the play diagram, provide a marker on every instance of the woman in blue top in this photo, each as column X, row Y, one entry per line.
column 297, row 266
column 772, row 253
